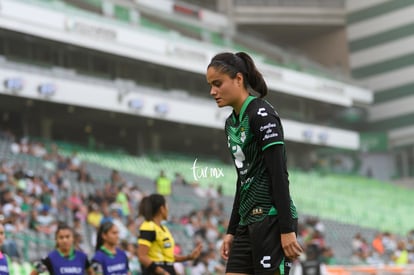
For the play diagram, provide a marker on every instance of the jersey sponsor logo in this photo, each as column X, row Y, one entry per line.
column 270, row 135
column 239, row 157
column 116, row 267
column 264, row 263
column 257, row 211
column 244, row 172
column 268, row 126
column 262, row 112
column 246, row 181
column 4, row 268
column 70, row 270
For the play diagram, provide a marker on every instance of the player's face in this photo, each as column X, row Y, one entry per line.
column 112, row 236
column 164, row 211
column 2, row 235
column 225, row 90
column 64, row 240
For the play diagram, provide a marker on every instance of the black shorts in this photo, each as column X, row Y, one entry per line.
column 256, row 249
column 169, row 267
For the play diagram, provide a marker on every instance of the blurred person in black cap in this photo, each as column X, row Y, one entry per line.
column 312, row 265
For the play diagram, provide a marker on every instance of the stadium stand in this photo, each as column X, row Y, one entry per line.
column 339, row 201
column 341, row 197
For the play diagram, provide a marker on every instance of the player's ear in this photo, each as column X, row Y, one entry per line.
column 239, row 79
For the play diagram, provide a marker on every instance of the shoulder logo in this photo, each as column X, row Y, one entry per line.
column 262, row 112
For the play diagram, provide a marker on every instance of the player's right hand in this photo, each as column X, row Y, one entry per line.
column 226, row 246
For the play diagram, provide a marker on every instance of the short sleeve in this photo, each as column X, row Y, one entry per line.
column 146, row 234
column 47, row 264
column 97, row 267
column 96, row 263
column 267, row 127
column 87, row 262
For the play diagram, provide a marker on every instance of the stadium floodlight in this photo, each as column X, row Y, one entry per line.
column 162, row 108
column 47, row 89
column 136, row 104
column 13, row 84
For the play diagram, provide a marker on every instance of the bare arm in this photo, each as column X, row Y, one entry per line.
column 147, row 262
column 192, row 256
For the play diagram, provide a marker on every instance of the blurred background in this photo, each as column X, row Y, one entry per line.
column 100, row 100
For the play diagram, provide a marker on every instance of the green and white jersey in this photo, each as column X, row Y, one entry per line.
column 256, row 128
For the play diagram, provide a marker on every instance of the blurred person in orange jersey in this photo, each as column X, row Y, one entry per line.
column 377, row 244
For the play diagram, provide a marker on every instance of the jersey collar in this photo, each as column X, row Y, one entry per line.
column 107, row 252
column 71, row 255
column 243, row 108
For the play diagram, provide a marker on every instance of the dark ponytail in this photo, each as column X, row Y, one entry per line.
column 150, row 205
column 254, row 77
column 103, row 229
column 241, row 62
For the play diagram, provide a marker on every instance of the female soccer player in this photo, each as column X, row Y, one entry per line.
column 108, row 258
column 261, row 236
column 64, row 259
column 155, row 242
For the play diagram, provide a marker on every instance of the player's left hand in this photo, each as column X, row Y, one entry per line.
column 290, row 245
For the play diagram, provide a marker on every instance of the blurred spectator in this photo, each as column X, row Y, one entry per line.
column 110, row 192
column 214, row 266
column 122, row 200
column 131, row 252
column 400, row 256
column 377, row 245
column 116, row 178
column 328, row 256
column 357, row 242
column 11, row 207
column 312, row 264
column 83, row 175
column 79, row 243
column 12, row 225
column 45, row 222
column 75, row 201
column 37, row 149
column 179, row 179
column 200, row 264
column 94, row 216
column 97, row 197
column 74, row 162
column 163, row 184
column 390, row 245
column 116, row 217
